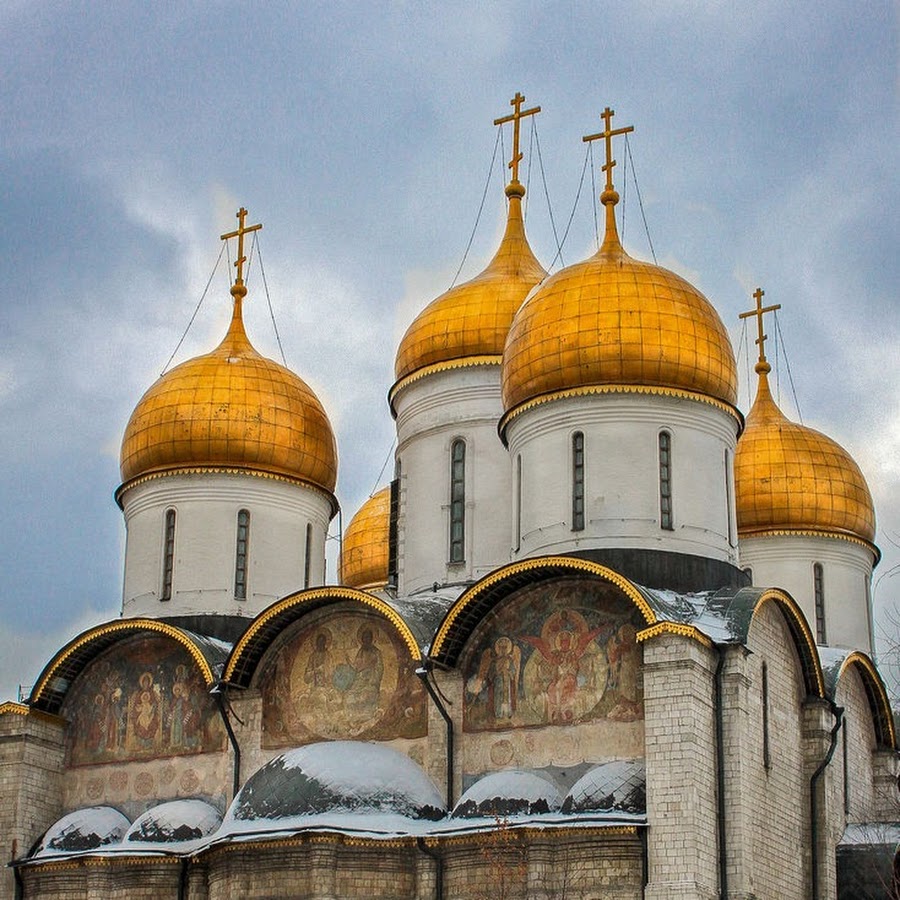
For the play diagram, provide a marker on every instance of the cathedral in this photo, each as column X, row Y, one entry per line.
column 603, row 635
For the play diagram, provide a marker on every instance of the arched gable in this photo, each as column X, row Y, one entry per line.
column 61, row 672
column 876, row 695
column 810, row 664
column 472, row 606
column 241, row 667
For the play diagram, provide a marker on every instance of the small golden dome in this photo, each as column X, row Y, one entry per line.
column 231, row 408
column 472, row 319
column 792, row 478
column 614, row 320
column 364, row 555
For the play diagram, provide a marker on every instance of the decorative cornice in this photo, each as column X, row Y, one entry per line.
column 592, row 389
column 744, row 533
column 14, row 708
column 464, row 362
column 324, row 593
column 224, row 470
column 537, row 563
column 689, row 631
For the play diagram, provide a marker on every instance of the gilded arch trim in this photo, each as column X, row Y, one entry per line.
column 58, row 675
column 803, row 638
column 461, row 618
column 249, row 650
column 876, row 694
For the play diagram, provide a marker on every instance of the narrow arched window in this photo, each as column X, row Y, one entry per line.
column 457, row 501
column 394, row 530
column 819, row 591
column 748, row 572
column 729, row 497
column 168, row 568
column 665, row 480
column 846, row 770
column 240, row 556
column 578, row 481
column 767, row 757
column 307, row 551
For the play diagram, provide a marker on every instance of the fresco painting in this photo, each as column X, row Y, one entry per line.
column 142, row 699
column 344, row 675
column 558, row 654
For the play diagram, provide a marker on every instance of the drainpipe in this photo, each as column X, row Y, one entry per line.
column 20, row 884
column 218, row 691
column 720, row 773
column 438, row 867
column 422, row 672
column 183, row 878
column 838, row 712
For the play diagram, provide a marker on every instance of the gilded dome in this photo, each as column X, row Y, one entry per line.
column 364, row 553
column 616, row 321
column 789, row 477
column 231, row 408
column 472, row 319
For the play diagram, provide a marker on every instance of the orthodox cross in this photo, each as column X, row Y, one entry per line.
column 239, row 234
column 758, row 294
column 515, row 117
column 608, row 134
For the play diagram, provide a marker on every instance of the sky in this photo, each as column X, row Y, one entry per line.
column 361, row 135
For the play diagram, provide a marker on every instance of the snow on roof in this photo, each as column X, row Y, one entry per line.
column 336, row 777
column 510, row 792
column 174, row 822
column 615, row 786
column 83, row 829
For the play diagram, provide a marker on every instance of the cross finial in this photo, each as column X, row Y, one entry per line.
column 762, row 365
column 516, row 117
column 239, row 234
column 608, row 134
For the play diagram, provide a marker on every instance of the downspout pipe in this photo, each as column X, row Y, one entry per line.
column 838, row 712
column 720, row 772
column 423, row 672
column 183, row 878
column 218, row 691
column 20, row 884
column 438, row 867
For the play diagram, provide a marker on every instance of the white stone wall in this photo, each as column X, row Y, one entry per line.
column 206, row 507
column 432, row 413
column 622, row 495
column 787, row 561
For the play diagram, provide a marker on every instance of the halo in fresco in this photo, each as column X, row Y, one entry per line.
column 343, row 675
column 555, row 655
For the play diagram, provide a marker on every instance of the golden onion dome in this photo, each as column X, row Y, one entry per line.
column 231, row 409
column 471, row 320
column 792, row 478
column 613, row 323
column 364, row 553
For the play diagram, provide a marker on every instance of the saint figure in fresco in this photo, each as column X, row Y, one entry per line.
column 567, row 672
column 498, row 672
column 364, row 692
column 624, row 664
column 144, row 714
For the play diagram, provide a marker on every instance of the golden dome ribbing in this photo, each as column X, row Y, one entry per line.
column 792, row 478
column 472, row 319
column 613, row 320
column 231, row 408
column 364, row 553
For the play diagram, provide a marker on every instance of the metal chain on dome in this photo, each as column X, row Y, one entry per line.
column 383, row 467
column 262, row 272
column 197, row 308
column 637, row 188
column 787, row 365
column 594, row 195
column 537, row 143
column 487, row 184
column 574, row 207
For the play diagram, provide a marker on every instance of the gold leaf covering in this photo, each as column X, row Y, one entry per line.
column 364, row 555
column 614, row 320
column 792, row 478
column 472, row 319
column 231, row 408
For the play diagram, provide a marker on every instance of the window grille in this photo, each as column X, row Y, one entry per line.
column 240, row 556
column 578, row 481
column 457, row 501
column 819, row 590
column 665, row 481
column 168, row 556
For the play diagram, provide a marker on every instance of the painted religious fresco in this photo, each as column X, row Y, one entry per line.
column 562, row 653
column 143, row 699
column 344, row 675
